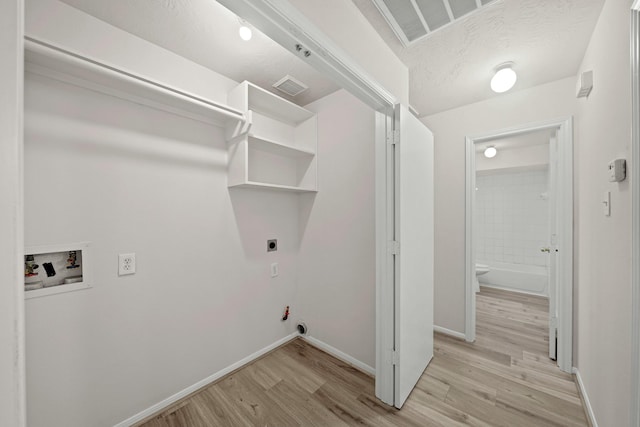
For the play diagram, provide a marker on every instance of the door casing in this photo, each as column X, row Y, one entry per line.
column 553, row 268
column 564, row 128
column 635, row 201
column 12, row 325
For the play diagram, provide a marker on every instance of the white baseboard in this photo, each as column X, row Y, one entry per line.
column 449, row 332
column 585, row 398
column 203, row 383
column 340, row 355
column 517, row 291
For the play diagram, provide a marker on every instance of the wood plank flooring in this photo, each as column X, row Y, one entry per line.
column 503, row 379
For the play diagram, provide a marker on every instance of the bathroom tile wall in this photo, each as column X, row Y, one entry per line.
column 512, row 217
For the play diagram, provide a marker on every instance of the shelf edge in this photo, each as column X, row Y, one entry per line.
column 44, row 49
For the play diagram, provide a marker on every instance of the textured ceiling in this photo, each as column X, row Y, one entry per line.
column 207, row 33
column 453, row 66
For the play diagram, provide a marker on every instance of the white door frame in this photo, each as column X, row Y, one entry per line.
column 12, row 332
column 635, row 201
column 553, row 259
column 565, row 227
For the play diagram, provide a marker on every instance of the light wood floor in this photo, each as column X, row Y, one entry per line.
column 504, row 379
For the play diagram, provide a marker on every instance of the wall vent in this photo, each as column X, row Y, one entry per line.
column 290, row 86
column 415, row 19
column 585, row 84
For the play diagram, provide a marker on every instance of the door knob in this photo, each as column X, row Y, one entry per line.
column 547, row 250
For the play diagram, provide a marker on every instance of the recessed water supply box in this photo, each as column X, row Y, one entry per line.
column 54, row 269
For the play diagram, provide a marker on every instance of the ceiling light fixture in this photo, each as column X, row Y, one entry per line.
column 504, row 78
column 490, row 152
column 244, row 31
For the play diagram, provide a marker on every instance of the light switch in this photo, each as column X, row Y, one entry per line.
column 606, row 203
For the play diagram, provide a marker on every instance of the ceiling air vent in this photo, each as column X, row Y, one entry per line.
column 412, row 20
column 290, row 86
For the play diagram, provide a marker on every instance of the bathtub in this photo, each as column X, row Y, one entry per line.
column 531, row 279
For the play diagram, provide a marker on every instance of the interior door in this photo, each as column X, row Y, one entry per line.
column 552, row 270
column 414, row 235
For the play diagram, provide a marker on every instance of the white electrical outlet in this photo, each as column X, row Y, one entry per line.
column 126, row 264
column 274, row 269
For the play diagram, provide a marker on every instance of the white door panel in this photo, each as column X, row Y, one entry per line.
column 414, row 262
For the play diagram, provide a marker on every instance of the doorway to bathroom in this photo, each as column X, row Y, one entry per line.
column 519, row 237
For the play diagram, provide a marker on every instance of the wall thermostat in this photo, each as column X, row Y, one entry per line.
column 617, row 170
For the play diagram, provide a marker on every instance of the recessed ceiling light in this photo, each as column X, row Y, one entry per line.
column 490, row 152
column 504, row 78
column 244, row 31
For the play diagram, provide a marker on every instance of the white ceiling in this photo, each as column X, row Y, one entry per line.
column 449, row 68
column 453, row 66
column 207, row 33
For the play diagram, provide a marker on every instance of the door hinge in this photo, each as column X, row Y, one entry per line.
column 393, row 137
column 393, row 247
column 395, row 357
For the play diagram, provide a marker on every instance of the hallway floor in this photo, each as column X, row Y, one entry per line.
column 504, row 379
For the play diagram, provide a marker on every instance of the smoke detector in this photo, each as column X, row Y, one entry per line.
column 290, row 86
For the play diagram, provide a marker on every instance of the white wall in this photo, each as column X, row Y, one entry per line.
column 12, row 393
column 534, row 156
column 604, row 245
column 343, row 22
column 549, row 101
column 512, row 217
column 60, row 24
column 129, row 178
column 336, row 290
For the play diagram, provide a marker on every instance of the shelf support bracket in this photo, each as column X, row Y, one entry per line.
column 393, row 137
column 241, row 127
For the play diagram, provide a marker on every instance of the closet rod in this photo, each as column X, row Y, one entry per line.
column 49, row 51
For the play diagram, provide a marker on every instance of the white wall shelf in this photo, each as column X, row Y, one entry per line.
column 278, row 148
column 54, row 62
column 279, row 153
column 277, row 187
column 248, row 96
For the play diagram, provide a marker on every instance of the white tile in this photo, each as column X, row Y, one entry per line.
column 512, row 217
